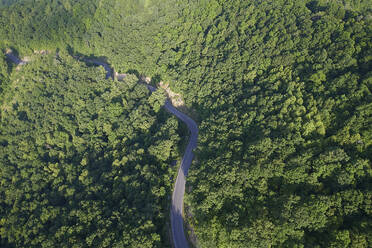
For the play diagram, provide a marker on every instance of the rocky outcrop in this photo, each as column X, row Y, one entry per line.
column 175, row 98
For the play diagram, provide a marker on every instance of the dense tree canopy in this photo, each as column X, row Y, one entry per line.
column 83, row 159
column 33, row 24
column 282, row 89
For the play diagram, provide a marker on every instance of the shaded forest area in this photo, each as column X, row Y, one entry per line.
column 283, row 93
column 84, row 160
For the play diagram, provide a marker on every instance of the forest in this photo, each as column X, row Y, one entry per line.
column 85, row 160
column 282, row 95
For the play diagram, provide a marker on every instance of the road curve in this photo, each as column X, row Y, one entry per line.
column 108, row 69
column 178, row 233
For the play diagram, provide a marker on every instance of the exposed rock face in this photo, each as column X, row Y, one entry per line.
column 41, row 52
column 26, row 59
column 176, row 98
column 120, row 76
column 145, row 79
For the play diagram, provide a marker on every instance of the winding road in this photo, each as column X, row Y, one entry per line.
column 178, row 233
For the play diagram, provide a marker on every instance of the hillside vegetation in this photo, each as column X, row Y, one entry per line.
column 84, row 160
column 282, row 90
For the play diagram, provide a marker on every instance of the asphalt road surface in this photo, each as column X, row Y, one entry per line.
column 178, row 233
column 109, row 71
column 15, row 59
